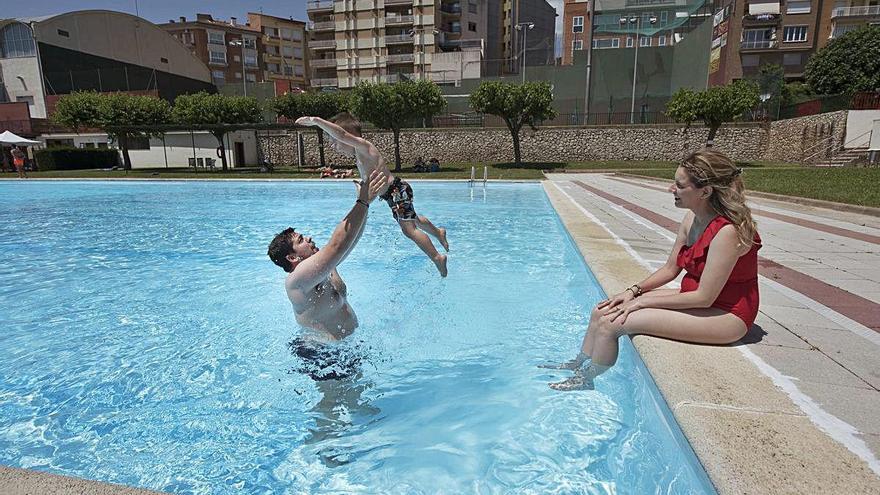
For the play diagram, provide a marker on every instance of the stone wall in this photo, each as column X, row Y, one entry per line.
column 744, row 142
column 809, row 138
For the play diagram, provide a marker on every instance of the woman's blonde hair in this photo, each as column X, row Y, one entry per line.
column 711, row 168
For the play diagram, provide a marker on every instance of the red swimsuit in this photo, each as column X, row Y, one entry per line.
column 739, row 295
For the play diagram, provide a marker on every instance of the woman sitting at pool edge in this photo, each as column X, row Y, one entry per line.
column 717, row 245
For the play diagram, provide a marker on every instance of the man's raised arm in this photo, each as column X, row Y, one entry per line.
column 338, row 133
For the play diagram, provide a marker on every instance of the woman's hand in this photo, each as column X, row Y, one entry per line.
column 610, row 304
column 622, row 311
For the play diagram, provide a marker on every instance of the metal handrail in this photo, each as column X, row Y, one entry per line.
column 831, row 146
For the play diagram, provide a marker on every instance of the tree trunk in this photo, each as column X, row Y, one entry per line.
column 126, row 158
column 396, row 150
column 713, row 129
column 222, row 148
column 321, row 146
column 516, row 152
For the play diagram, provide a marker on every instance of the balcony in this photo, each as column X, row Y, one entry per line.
column 761, row 19
column 319, row 5
column 866, row 11
column 758, row 45
column 393, row 78
column 323, row 62
column 398, row 39
column 398, row 2
column 395, row 20
column 330, row 82
column 322, row 26
column 453, row 9
column 322, row 44
column 401, row 58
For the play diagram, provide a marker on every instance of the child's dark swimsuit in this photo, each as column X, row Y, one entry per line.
column 399, row 197
column 324, row 361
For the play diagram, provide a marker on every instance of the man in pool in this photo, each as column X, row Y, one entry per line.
column 345, row 136
column 313, row 285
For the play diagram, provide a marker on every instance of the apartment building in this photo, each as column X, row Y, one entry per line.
column 845, row 15
column 284, row 53
column 528, row 27
column 230, row 49
column 383, row 41
column 575, row 17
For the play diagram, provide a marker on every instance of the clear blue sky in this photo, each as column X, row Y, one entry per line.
column 159, row 11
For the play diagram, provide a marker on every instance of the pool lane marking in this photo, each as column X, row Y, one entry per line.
column 801, row 222
column 855, row 308
column 836, row 428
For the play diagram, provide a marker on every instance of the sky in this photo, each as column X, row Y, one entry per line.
column 159, row 11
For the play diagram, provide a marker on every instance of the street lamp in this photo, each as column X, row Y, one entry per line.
column 412, row 34
column 240, row 43
column 519, row 27
column 634, row 19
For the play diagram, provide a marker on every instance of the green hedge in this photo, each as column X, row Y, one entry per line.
column 76, row 158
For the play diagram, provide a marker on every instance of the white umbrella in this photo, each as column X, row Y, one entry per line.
column 14, row 139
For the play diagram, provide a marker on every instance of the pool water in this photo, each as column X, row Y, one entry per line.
column 145, row 342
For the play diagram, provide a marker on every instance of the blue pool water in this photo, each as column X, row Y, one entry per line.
column 144, row 341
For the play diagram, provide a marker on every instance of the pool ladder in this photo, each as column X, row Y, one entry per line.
column 473, row 178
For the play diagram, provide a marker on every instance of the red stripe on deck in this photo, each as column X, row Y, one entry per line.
column 854, row 307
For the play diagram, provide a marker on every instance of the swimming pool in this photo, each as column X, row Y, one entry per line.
column 145, row 342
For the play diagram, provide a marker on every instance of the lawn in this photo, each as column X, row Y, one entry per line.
column 857, row 186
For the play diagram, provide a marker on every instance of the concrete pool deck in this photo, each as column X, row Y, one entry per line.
column 793, row 408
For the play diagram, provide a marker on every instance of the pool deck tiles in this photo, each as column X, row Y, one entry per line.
column 792, row 408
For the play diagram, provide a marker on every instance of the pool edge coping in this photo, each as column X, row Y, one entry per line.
column 768, row 449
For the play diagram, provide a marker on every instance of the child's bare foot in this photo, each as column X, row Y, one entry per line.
column 442, row 238
column 440, row 261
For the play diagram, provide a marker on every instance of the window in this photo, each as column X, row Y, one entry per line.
column 273, row 68
column 841, row 29
column 271, row 49
column 270, row 31
column 163, row 60
column 63, row 33
column 577, row 45
column 472, row 6
column 87, row 145
column 791, row 59
column 59, row 143
column 751, row 60
column 661, row 41
column 645, row 41
column 798, row 7
column 250, row 43
column 288, row 70
column 297, row 35
column 102, row 145
column 607, row 43
column 216, row 38
column 218, row 76
column 298, row 70
column 286, row 33
column 794, row 34
column 630, row 42
column 217, row 57
column 298, row 53
column 472, row 26
column 664, row 17
column 138, row 143
column 251, row 77
column 287, row 51
column 16, row 41
column 577, row 24
column 250, row 60
column 758, row 38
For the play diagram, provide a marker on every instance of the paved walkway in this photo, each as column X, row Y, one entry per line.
column 818, row 331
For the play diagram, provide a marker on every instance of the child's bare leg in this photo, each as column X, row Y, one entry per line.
column 438, row 232
column 424, row 243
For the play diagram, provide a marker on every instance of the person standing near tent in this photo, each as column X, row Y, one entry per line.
column 18, row 158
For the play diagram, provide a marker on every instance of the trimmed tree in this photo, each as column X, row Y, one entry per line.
column 393, row 106
column 516, row 104
column 323, row 104
column 714, row 106
column 847, row 64
column 117, row 114
column 214, row 111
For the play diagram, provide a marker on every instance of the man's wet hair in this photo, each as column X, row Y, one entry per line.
column 348, row 122
column 280, row 247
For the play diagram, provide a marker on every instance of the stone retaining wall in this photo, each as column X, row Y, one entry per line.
column 744, row 142
column 809, row 138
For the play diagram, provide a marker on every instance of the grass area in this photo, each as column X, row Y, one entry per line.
column 507, row 171
column 857, row 186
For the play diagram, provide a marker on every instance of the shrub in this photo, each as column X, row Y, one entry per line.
column 76, row 158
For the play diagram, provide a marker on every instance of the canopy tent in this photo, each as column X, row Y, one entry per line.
column 9, row 138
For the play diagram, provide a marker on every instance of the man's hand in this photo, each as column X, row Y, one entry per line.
column 306, row 121
column 369, row 193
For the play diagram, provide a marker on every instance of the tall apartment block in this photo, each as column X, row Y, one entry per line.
column 538, row 42
column 284, row 53
column 230, row 49
column 575, row 35
column 779, row 32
